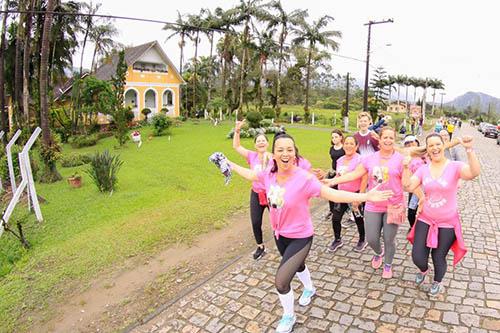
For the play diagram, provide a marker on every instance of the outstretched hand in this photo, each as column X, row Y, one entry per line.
column 374, row 195
column 239, row 125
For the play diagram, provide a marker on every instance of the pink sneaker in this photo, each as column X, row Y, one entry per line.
column 387, row 272
column 377, row 260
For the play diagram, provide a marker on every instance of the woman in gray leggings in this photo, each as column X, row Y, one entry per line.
column 384, row 169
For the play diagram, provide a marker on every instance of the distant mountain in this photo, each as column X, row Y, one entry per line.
column 475, row 99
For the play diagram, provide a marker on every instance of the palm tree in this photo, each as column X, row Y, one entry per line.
column 89, row 23
column 263, row 50
column 245, row 11
column 4, row 117
column 49, row 147
column 407, row 83
column 26, row 63
column 103, row 38
column 210, row 22
column 195, row 24
column 312, row 35
column 400, row 80
column 180, row 28
column 285, row 20
column 435, row 84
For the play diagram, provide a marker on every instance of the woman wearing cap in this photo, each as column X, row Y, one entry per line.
column 289, row 188
column 438, row 227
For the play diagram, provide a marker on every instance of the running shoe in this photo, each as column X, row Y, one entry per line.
column 286, row 323
column 306, row 296
column 436, row 288
column 360, row 246
column 420, row 277
column 259, row 252
column 336, row 244
column 377, row 260
column 387, row 272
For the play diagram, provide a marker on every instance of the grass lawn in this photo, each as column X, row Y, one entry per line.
column 167, row 192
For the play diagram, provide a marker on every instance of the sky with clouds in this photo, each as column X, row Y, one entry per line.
column 454, row 41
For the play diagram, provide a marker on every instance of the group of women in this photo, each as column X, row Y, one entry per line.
column 283, row 182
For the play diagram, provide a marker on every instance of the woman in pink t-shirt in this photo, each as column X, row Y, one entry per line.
column 384, row 168
column 345, row 164
column 438, row 226
column 289, row 188
column 258, row 160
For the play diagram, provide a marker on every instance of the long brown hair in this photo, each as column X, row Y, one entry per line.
column 283, row 135
column 340, row 133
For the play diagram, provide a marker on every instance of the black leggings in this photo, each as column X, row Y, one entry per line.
column 338, row 212
column 412, row 213
column 294, row 252
column 256, row 212
column 420, row 251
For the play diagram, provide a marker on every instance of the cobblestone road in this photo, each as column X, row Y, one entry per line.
column 351, row 295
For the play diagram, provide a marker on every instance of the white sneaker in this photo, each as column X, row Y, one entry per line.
column 306, row 296
column 286, row 324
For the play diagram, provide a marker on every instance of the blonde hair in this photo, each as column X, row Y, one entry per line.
column 365, row 114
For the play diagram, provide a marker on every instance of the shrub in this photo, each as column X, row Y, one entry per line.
column 103, row 170
column 164, row 110
column 4, row 166
column 73, row 160
column 102, row 135
column 161, row 123
column 145, row 112
column 266, row 123
column 254, row 118
column 79, row 141
column 268, row 113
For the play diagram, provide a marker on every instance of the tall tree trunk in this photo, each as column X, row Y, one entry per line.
column 85, row 43
column 49, row 147
column 308, row 73
column 18, row 69
column 433, row 100
column 415, row 96
column 224, row 67
column 4, row 115
column 210, row 78
column 406, row 103
column 26, row 65
column 280, row 64
column 243, row 64
column 92, row 69
column 195, row 69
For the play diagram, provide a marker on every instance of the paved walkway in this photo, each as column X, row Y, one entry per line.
column 351, row 295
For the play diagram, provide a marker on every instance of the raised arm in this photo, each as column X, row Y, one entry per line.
column 347, row 197
column 246, row 173
column 359, row 172
column 473, row 168
column 236, row 139
column 410, row 183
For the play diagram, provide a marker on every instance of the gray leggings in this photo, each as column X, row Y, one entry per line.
column 374, row 224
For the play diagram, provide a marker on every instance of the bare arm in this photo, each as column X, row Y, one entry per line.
column 410, row 183
column 473, row 168
column 359, row 172
column 347, row 197
column 236, row 140
column 246, row 173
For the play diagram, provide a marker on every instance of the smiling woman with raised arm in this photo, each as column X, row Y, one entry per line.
column 438, row 226
column 258, row 160
column 289, row 188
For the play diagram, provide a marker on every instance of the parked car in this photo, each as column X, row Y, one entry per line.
column 481, row 126
column 490, row 131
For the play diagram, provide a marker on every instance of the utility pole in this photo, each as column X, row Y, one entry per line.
column 365, row 93
column 442, row 94
column 346, row 111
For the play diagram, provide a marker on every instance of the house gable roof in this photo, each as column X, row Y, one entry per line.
column 132, row 54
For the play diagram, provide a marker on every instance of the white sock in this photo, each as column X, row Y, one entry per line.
column 305, row 278
column 287, row 301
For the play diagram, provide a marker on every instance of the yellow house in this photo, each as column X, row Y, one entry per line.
column 396, row 107
column 153, row 82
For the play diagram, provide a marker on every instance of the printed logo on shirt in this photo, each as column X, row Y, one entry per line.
column 276, row 196
column 436, row 201
column 341, row 170
column 440, row 181
column 380, row 174
column 257, row 168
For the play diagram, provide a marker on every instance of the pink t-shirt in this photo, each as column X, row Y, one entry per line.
column 416, row 163
column 343, row 167
column 289, row 202
column 440, row 204
column 304, row 164
column 255, row 164
column 388, row 173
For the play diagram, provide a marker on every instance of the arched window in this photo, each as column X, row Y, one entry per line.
column 168, row 98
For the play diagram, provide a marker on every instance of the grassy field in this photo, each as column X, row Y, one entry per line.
column 167, row 192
